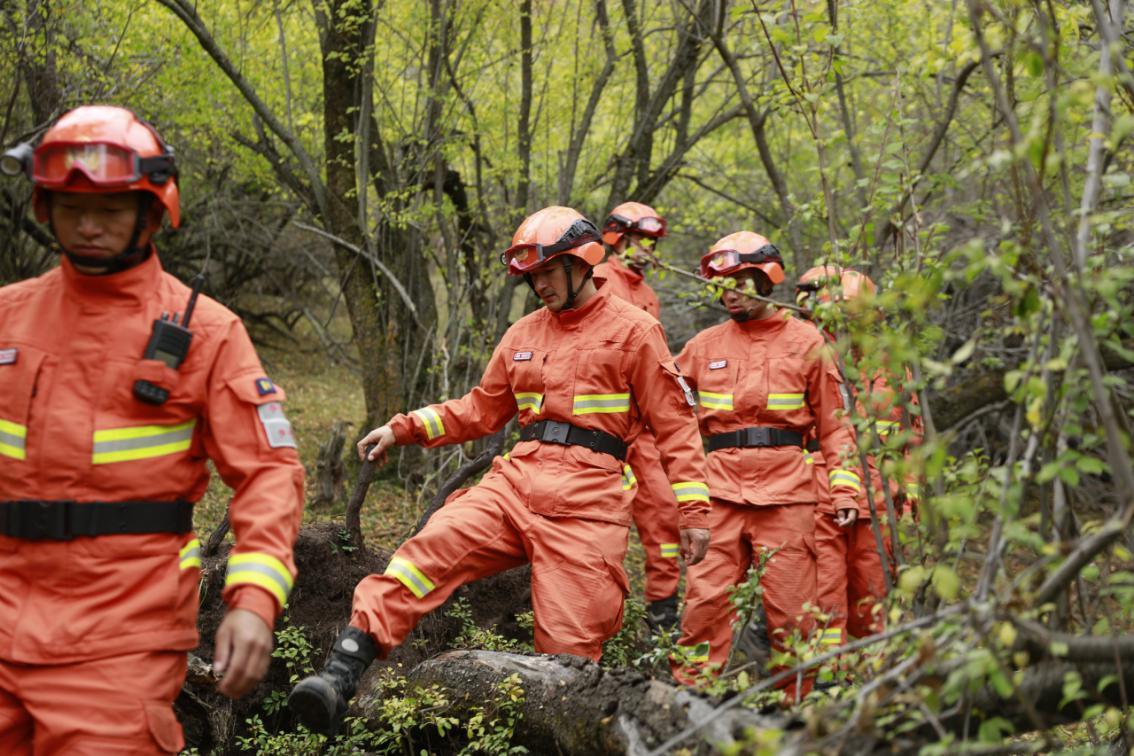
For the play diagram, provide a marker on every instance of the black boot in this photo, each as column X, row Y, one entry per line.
column 320, row 701
column 662, row 614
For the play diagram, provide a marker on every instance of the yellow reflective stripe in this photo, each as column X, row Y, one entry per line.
column 190, row 555
column 141, row 442
column 808, row 458
column 698, row 654
column 841, row 477
column 434, row 428
column 628, row 479
column 586, row 404
column 832, row 636
column 410, row 576
column 670, row 550
column 529, row 400
column 690, row 491
column 709, row 400
column 886, row 427
column 260, row 569
column 785, row 401
column 13, row 440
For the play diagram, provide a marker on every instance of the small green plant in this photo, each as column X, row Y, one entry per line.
column 493, row 726
column 474, row 636
column 631, row 639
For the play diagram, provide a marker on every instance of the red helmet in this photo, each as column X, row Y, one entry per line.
column 742, row 251
column 829, row 283
column 104, row 149
column 550, row 233
column 632, row 218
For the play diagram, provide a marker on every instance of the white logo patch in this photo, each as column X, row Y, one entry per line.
column 9, row 356
column 521, row 356
column 276, row 425
column 351, row 645
column 717, row 364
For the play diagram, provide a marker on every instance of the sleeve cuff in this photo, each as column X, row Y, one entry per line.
column 402, row 425
column 256, row 600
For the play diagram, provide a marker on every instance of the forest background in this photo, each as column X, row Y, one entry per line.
column 351, row 171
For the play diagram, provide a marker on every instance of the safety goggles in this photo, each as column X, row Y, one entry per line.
column 521, row 258
column 725, row 261
column 650, row 226
column 101, row 163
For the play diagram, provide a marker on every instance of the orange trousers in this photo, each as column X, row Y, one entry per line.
column 740, row 533
column 850, row 579
column 578, row 583
column 655, row 516
column 116, row 705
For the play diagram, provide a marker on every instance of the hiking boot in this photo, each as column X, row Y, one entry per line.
column 662, row 614
column 320, row 701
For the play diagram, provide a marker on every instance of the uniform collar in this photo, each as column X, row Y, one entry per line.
column 131, row 286
column 766, row 326
column 627, row 272
column 571, row 318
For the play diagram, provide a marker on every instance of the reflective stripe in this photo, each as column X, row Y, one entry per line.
column 410, row 576
column 586, row 404
column 670, row 550
column 529, row 400
column 191, row 554
column 709, row 400
column 259, row 569
column 832, row 636
column 628, row 479
column 841, row 477
column 434, row 428
column 13, row 440
column 141, row 442
column 691, row 491
column 886, row 427
column 913, row 490
column 808, row 458
column 698, row 654
column 785, row 401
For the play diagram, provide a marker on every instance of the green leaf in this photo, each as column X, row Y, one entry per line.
column 993, row 730
column 946, row 582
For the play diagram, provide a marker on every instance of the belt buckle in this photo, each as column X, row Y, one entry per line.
column 41, row 520
column 555, row 432
column 757, row 437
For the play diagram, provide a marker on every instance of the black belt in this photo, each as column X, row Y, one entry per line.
column 37, row 520
column 555, row 432
column 812, row 445
column 758, row 436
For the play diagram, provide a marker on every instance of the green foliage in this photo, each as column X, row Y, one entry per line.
column 487, row 639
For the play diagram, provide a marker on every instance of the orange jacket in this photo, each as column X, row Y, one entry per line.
column 602, row 366
column 70, row 429
column 628, row 285
column 770, row 373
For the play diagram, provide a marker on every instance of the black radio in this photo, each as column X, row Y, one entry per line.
column 169, row 343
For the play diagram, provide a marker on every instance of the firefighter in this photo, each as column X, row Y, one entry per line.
column 104, row 450
column 764, row 382
column 631, row 232
column 850, row 578
column 585, row 373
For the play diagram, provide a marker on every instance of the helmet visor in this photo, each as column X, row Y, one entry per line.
column 521, row 258
column 102, row 164
column 723, row 262
column 650, row 226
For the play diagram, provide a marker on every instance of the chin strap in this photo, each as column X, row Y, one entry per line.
column 571, row 290
column 133, row 255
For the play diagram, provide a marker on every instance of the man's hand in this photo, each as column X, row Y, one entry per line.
column 846, row 516
column 383, row 439
column 694, row 544
column 242, row 652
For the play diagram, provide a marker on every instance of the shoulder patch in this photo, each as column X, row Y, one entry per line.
column 9, row 356
column 264, row 387
column 276, row 425
column 718, row 364
column 521, row 356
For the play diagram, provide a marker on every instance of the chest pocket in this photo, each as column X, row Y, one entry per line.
column 525, row 375
column 600, row 387
column 785, row 398
column 22, row 373
column 717, row 387
column 128, row 429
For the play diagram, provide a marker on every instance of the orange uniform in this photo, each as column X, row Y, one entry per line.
column 769, row 376
column 851, row 580
column 654, row 508
column 602, row 366
column 73, row 434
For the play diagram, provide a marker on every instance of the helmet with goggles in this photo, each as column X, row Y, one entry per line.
column 550, row 233
column 99, row 149
column 831, row 283
column 633, row 218
column 743, row 250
